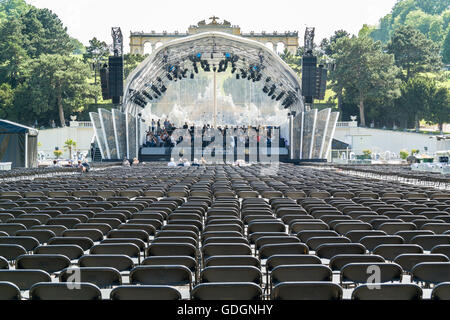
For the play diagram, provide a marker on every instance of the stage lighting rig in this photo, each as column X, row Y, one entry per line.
column 147, row 95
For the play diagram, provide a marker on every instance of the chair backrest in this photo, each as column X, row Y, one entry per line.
column 314, row 243
column 441, row 292
column 116, row 261
column 171, row 249
column 277, row 249
column 231, row 274
column 71, row 251
column 361, row 272
column 50, row 263
column 388, row 291
column 222, row 249
column 371, row 242
column 328, row 251
column 297, row 273
column 128, row 249
column 11, row 251
column 188, row 262
column 291, row 259
column 24, row 279
column 173, row 275
column 217, row 261
column 275, row 240
column 227, row 291
column 341, row 260
column 442, row 249
column 103, row 277
column 65, row 291
column 428, row 242
column 431, row 272
column 409, row 260
column 9, row 291
column 83, row 242
column 304, row 236
column 307, row 291
column 3, row 264
column 392, row 251
column 145, row 293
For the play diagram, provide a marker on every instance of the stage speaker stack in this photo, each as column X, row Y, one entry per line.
column 309, row 78
column 322, row 77
column 115, row 82
column 104, row 75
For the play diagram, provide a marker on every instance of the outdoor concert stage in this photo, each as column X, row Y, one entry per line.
column 215, row 67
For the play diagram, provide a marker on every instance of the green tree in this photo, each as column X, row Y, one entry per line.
column 294, row 61
column 414, row 100
column 6, row 99
column 326, row 44
column 413, row 52
column 57, row 85
column 96, row 54
column 438, row 107
column 45, row 33
column 12, row 53
column 363, row 68
column 446, row 48
column 12, row 9
column 70, row 145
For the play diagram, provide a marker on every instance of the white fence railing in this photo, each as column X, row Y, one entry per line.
column 347, row 124
column 81, row 124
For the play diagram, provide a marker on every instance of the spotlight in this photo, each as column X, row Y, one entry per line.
column 238, row 76
column 169, row 77
column 280, row 96
column 268, row 80
column 192, row 76
column 233, row 70
column 163, row 89
column 155, row 89
column 265, row 89
column 274, row 97
column 272, row 90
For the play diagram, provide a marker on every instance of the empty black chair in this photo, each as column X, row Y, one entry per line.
column 298, row 273
column 3, row 264
column 84, row 242
column 210, row 250
column 307, row 291
column 9, row 291
column 277, row 249
column 65, row 291
column 387, row 291
column 304, row 236
column 341, row 260
column 371, row 242
column 441, row 292
column 171, row 249
column 103, row 277
column 227, row 291
column 428, row 242
column 314, row 243
column 231, row 274
column 409, row 260
column 50, row 263
column 186, row 261
column 328, row 251
column 24, row 279
column 11, row 252
column 145, row 293
column 28, row 243
column 431, row 272
column 116, row 261
column 442, row 249
column 361, row 272
column 216, row 261
column 71, row 251
column 161, row 275
column 392, row 251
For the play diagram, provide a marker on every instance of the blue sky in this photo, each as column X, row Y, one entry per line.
column 86, row 19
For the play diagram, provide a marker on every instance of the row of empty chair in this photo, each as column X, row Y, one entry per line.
column 222, row 232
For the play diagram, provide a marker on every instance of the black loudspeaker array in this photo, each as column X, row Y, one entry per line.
column 104, row 75
column 115, row 78
column 322, row 77
column 309, row 79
